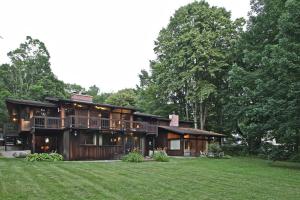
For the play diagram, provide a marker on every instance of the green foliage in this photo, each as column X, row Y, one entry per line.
column 44, row 157
column 28, row 75
column 160, row 156
column 133, row 156
column 235, row 150
column 295, row 157
column 214, row 148
column 124, row 97
column 193, row 57
column 265, row 84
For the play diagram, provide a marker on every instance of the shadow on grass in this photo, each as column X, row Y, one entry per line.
column 287, row 165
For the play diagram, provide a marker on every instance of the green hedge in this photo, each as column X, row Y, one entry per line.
column 44, row 157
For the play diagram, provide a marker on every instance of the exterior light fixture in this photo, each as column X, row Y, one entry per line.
column 47, row 140
column 14, row 119
column 75, row 133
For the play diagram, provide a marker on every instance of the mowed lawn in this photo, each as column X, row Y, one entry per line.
column 181, row 178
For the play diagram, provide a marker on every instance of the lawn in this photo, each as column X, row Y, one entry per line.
column 199, row 178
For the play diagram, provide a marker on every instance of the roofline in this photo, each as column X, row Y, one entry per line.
column 186, row 131
column 30, row 103
column 158, row 117
column 97, row 104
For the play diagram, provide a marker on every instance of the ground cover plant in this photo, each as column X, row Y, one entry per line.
column 181, row 178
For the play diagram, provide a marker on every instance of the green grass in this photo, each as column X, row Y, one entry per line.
column 236, row 178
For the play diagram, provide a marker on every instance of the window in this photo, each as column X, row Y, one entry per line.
column 174, row 144
column 100, row 140
column 88, row 139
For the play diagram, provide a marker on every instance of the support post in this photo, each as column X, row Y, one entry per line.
column 33, row 141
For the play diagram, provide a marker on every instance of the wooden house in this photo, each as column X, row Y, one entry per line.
column 82, row 130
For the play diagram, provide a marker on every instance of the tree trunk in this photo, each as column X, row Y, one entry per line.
column 187, row 111
column 203, row 115
column 195, row 115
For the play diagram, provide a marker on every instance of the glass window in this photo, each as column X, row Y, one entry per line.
column 174, row 144
column 100, row 140
column 88, row 139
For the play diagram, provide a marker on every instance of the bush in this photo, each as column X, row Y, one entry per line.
column 235, row 149
column 133, row 156
column 295, row 157
column 214, row 148
column 44, row 157
column 160, row 156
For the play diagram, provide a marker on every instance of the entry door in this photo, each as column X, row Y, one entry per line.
column 187, row 147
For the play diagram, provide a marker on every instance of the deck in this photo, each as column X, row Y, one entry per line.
column 83, row 122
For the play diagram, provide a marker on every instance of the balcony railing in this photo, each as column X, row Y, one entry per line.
column 10, row 129
column 91, row 123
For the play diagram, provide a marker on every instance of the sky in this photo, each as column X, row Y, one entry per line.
column 106, row 43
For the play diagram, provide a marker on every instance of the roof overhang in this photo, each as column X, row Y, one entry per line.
column 191, row 131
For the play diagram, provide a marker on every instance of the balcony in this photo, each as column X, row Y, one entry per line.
column 10, row 129
column 83, row 122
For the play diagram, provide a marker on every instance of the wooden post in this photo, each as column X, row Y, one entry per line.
column 62, row 116
column 110, row 120
column 88, row 119
column 33, row 141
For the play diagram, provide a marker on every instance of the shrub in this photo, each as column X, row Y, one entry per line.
column 235, row 149
column 295, row 157
column 133, row 156
column 214, row 148
column 44, row 157
column 160, row 156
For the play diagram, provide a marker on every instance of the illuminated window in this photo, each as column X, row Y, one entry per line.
column 174, row 144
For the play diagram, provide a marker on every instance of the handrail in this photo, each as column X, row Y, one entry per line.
column 74, row 121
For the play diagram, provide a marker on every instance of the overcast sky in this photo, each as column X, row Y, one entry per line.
column 106, row 43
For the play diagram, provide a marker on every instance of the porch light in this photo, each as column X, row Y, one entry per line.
column 47, row 140
column 14, row 119
column 137, row 126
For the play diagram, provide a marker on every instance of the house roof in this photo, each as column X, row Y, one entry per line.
column 150, row 115
column 30, row 103
column 157, row 117
column 52, row 103
column 192, row 131
column 97, row 104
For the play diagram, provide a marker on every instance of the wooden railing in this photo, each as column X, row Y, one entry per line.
column 46, row 122
column 10, row 129
column 92, row 123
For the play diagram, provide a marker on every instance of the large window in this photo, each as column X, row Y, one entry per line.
column 174, row 144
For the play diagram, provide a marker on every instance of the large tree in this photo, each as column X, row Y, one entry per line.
column 264, row 84
column 124, row 97
column 28, row 75
column 193, row 58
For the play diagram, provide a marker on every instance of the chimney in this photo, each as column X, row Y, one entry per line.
column 174, row 120
column 81, row 97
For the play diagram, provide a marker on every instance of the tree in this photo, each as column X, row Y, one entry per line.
column 28, row 75
column 124, row 97
column 193, row 58
column 74, row 88
column 265, row 82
